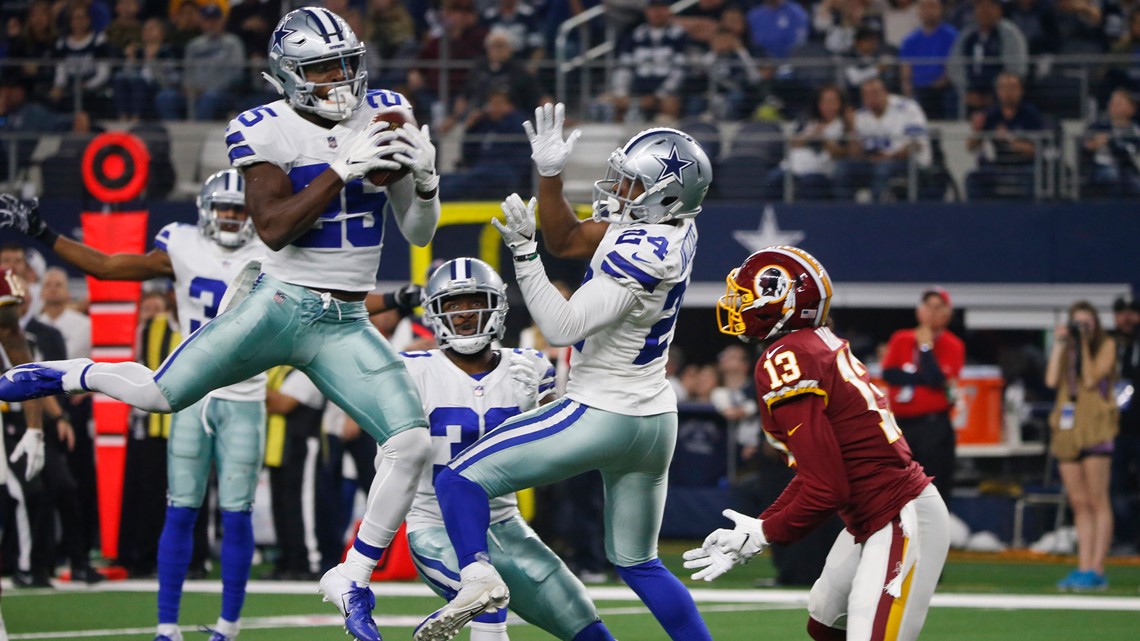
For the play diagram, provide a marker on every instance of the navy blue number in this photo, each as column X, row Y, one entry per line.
column 387, row 98
column 634, row 236
column 210, row 292
column 467, row 420
column 657, row 341
column 331, row 234
column 255, row 115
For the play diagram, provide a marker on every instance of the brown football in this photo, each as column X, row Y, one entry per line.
column 384, row 177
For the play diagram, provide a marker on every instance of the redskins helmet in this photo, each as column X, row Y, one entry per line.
column 775, row 290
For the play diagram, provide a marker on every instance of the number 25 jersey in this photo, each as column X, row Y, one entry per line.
column 342, row 249
column 849, row 454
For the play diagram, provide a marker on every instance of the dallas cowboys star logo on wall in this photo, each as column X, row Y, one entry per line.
column 673, row 165
column 279, row 35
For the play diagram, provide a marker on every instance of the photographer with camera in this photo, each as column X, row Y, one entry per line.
column 1084, row 422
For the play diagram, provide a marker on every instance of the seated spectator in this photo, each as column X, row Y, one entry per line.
column 19, row 115
column 817, row 143
column 1006, row 160
column 777, row 27
column 499, row 68
column 993, row 46
column 150, row 76
column 210, row 80
column 82, row 63
column 869, row 58
column 838, row 20
column 1113, row 145
column 187, row 23
column 701, row 21
column 496, row 153
column 923, row 79
column 36, row 41
column 900, row 19
column 1037, row 22
column 523, row 22
column 126, row 29
column 732, row 78
column 1079, row 27
column 393, row 38
column 464, row 44
column 652, row 66
column 1125, row 74
column 889, row 130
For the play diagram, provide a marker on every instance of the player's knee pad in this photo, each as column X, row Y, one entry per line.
column 820, row 632
column 410, row 448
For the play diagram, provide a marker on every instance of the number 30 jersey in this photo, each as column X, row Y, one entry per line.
column 460, row 409
column 621, row 368
column 819, row 408
column 342, row 249
column 202, row 270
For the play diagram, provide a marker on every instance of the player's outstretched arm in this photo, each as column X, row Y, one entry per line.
column 565, row 236
column 23, row 216
column 15, row 345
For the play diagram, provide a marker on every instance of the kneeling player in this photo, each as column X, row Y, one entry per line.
column 468, row 389
column 832, row 424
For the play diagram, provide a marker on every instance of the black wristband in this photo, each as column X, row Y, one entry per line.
column 48, row 237
column 526, row 258
column 390, row 301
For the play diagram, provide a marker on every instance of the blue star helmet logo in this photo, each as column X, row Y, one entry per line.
column 279, row 35
column 673, row 165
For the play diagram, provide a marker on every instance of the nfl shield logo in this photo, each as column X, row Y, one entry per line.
column 479, row 390
column 332, row 142
column 279, row 297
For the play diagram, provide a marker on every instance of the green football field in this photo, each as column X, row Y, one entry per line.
column 980, row 599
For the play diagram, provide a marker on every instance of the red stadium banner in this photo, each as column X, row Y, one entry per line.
column 114, row 306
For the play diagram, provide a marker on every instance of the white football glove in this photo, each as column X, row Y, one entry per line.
column 524, row 381
column 547, row 148
column 366, row 151
column 418, row 154
column 724, row 548
column 518, row 232
column 31, row 445
column 709, row 561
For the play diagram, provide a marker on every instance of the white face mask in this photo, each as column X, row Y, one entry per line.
column 339, row 104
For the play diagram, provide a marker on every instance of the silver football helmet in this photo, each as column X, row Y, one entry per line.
column 227, row 187
column 466, row 276
column 305, row 39
column 671, row 167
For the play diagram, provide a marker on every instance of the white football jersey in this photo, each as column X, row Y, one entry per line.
column 342, row 249
column 202, row 271
column 461, row 408
column 621, row 368
column 901, row 123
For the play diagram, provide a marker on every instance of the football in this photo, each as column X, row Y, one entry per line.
column 384, row 177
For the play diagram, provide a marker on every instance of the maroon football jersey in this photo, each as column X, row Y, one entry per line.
column 11, row 288
column 819, row 408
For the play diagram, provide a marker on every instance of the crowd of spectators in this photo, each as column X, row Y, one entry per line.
column 717, row 60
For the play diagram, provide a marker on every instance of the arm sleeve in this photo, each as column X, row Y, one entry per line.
column 417, row 218
column 929, row 370
column 820, row 471
column 596, row 304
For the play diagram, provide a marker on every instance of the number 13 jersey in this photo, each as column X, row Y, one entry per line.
column 342, row 249
column 202, row 270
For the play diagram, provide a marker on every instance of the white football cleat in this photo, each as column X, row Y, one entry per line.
column 481, row 590
column 355, row 601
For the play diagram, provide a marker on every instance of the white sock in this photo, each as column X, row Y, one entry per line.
column 399, row 463
column 228, row 628
column 171, row 630
column 131, row 383
column 488, row 631
column 357, row 567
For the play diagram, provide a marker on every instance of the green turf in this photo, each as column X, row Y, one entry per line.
column 73, row 611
